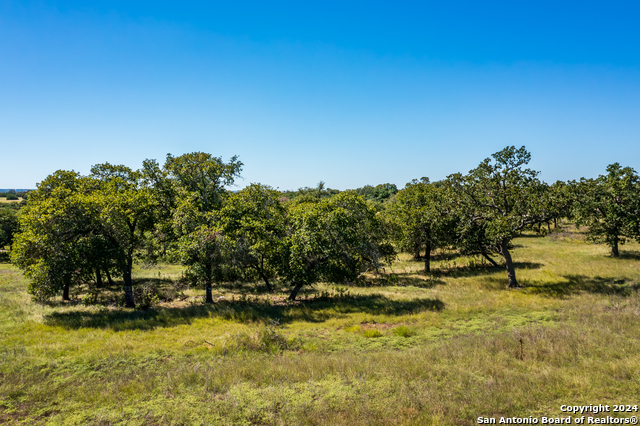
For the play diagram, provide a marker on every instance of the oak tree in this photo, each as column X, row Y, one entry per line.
column 424, row 218
column 333, row 239
column 610, row 207
column 500, row 199
column 255, row 220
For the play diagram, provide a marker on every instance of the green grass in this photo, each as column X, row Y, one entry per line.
column 407, row 348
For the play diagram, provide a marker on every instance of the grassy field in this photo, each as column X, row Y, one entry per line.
column 4, row 200
column 408, row 348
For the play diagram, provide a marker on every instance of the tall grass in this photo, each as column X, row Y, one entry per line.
column 407, row 348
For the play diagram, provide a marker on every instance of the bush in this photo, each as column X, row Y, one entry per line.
column 372, row 333
column 404, row 331
column 271, row 339
column 11, row 197
column 146, row 295
column 268, row 339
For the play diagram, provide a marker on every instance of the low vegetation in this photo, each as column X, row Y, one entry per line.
column 402, row 347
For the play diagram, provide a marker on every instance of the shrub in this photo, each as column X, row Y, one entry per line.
column 146, row 295
column 404, row 331
column 268, row 339
column 372, row 333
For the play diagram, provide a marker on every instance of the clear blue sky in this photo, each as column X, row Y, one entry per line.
column 351, row 93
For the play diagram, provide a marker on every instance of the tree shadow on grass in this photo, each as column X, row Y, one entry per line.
column 113, row 294
column 318, row 309
column 575, row 284
column 630, row 254
column 532, row 235
column 478, row 270
column 403, row 279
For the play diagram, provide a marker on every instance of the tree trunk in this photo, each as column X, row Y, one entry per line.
column 128, row 287
column 416, row 249
column 106, row 271
column 548, row 226
column 65, row 290
column 614, row 248
column 295, row 291
column 493, row 262
column 555, row 223
column 263, row 275
column 266, row 281
column 511, row 272
column 208, row 298
column 98, row 278
column 427, row 256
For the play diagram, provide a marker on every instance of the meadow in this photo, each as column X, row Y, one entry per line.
column 4, row 200
column 402, row 348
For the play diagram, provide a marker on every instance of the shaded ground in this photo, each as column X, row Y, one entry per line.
column 248, row 310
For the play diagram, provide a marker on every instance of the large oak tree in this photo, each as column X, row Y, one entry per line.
column 501, row 199
column 199, row 182
column 334, row 240
column 255, row 220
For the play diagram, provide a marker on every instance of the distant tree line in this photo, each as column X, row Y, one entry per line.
column 77, row 229
column 377, row 194
column 12, row 194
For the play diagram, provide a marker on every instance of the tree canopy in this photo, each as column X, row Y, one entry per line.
column 610, row 206
column 334, row 239
column 74, row 228
column 423, row 217
column 498, row 200
column 256, row 221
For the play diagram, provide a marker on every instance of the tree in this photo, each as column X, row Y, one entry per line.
column 203, row 175
column 424, row 218
column 255, row 220
column 199, row 182
column 126, row 210
column 610, row 206
column 333, row 239
column 8, row 226
column 56, row 228
column 306, row 194
column 162, row 239
column 471, row 239
column 499, row 199
column 560, row 200
column 379, row 193
column 205, row 252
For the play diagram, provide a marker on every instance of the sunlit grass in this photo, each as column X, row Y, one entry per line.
column 403, row 348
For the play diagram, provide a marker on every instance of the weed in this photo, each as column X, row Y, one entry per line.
column 404, row 331
column 372, row 333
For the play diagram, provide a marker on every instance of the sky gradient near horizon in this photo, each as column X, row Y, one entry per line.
column 350, row 93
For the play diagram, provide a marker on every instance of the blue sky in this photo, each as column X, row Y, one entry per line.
column 351, row 93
